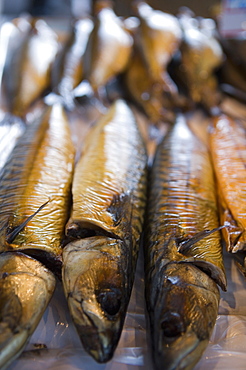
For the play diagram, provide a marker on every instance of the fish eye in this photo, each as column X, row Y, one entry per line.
column 110, row 301
column 172, row 325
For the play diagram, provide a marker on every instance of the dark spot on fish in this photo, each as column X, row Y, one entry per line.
column 118, row 207
column 5, row 275
column 39, row 345
column 172, row 325
column 110, row 301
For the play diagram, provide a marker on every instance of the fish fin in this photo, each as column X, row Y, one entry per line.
column 13, row 233
column 185, row 245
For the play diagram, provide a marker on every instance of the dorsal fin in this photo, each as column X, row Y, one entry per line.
column 13, row 233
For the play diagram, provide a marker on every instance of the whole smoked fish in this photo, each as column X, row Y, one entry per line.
column 35, row 196
column 183, row 250
column 27, row 74
column 228, row 149
column 109, row 194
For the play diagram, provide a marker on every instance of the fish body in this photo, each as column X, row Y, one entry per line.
column 26, row 288
column 160, row 36
column 35, row 195
column 228, row 149
column 109, row 47
column 201, row 55
column 67, row 71
column 107, row 216
column 27, row 74
column 183, row 253
column 39, row 171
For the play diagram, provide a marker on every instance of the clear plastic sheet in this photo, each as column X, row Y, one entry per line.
column 55, row 343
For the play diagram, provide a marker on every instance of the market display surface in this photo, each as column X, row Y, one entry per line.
column 122, row 216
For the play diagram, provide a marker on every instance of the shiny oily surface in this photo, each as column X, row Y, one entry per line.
column 227, row 142
column 26, row 288
column 110, row 178
column 183, row 204
column 159, row 36
column 35, row 186
column 108, row 49
column 28, row 73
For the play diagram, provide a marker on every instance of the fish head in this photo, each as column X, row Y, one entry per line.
column 184, row 315
column 95, row 283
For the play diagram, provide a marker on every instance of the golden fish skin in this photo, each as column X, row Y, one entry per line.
column 67, row 71
column 28, row 74
column 160, row 36
column 183, row 262
column 140, row 86
column 109, row 194
column 20, row 311
column 109, row 47
column 228, row 149
column 35, row 187
column 201, row 55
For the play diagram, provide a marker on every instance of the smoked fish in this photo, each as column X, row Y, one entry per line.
column 201, row 55
column 228, row 150
column 109, row 47
column 35, row 198
column 183, row 250
column 27, row 74
column 159, row 37
column 67, row 70
column 109, row 194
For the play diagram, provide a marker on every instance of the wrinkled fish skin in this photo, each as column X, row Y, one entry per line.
column 183, row 262
column 108, row 49
column 67, row 71
column 227, row 143
column 28, row 74
column 37, row 178
column 26, row 288
column 107, row 216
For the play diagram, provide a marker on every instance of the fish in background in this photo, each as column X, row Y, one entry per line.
column 183, row 250
column 109, row 47
column 200, row 56
column 104, row 229
column 26, row 73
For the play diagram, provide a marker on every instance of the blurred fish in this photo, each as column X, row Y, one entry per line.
column 183, row 250
column 27, row 74
column 109, row 194
column 109, row 47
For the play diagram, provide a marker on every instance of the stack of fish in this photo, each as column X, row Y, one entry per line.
column 82, row 220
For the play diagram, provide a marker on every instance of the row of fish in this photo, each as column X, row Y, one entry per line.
column 82, row 220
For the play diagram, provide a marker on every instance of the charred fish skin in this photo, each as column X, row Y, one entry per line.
column 28, row 74
column 20, row 311
column 181, row 280
column 107, row 218
column 227, row 144
column 35, row 187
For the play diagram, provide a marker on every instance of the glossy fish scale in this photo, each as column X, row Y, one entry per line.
column 39, row 171
column 227, row 142
column 109, row 195
column 183, row 250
